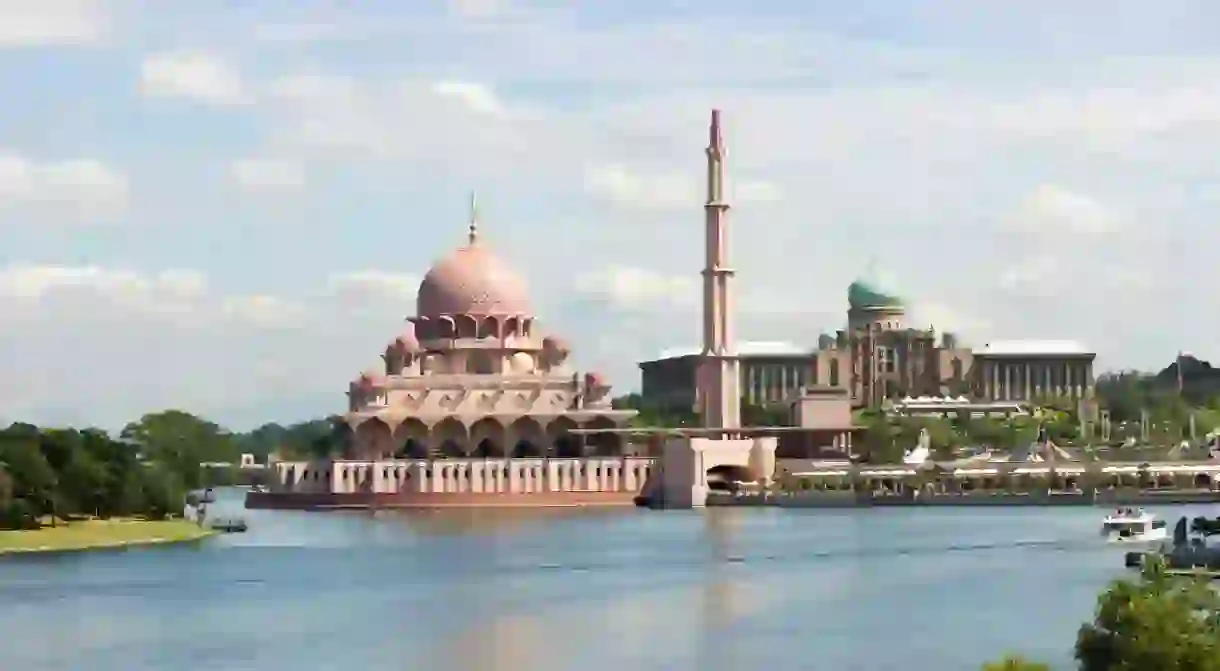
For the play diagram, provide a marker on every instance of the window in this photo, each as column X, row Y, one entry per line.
column 887, row 360
column 834, row 372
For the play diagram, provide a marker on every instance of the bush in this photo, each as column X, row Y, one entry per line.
column 18, row 515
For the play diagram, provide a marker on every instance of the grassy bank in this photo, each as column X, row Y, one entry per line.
column 97, row 534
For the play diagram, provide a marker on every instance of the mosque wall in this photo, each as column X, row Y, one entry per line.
column 407, row 478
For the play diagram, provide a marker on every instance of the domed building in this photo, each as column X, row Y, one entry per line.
column 473, row 400
column 879, row 357
column 473, row 375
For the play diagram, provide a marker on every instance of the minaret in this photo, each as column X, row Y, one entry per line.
column 719, row 396
column 474, row 219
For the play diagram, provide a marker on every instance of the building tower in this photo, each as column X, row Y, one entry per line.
column 719, row 397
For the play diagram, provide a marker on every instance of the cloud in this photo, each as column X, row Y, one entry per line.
column 633, row 288
column 998, row 169
column 479, row 9
column 263, row 310
column 360, row 285
column 1054, row 210
column 195, row 76
column 83, row 189
column 256, row 174
column 52, row 23
column 619, row 184
column 35, row 283
column 666, row 189
column 476, row 97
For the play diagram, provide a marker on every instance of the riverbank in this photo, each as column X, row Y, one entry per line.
column 100, row 534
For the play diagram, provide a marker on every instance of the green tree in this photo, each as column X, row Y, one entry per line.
column 181, row 441
column 1015, row 663
column 83, row 484
column 34, row 481
column 1156, row 622
column 163, row 492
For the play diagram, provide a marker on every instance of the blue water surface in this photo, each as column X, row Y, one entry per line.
column 721, row 589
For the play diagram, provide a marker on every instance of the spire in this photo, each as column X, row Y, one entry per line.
column 715, row 140
column 474, row 218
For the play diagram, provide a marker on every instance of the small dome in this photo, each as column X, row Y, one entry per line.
column 522, row 363
column 471, row 281
column 407, row 343
column 862, row 295
column 368, row 379
column 555, row 344
column 595, row 380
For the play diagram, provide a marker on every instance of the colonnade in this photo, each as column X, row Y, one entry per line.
column 1021, row 380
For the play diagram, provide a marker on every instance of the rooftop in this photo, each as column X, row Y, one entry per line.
column 1032, row 348
column 744, row 349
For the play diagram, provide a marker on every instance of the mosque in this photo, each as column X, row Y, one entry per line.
column 473, row 375
column 477, row 406
column 474, row 400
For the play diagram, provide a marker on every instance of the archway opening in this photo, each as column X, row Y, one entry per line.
column 525, row 449
column 412, row 449
column 728, row 478
column 450, row 449
column 568, row 446
column 486, row 449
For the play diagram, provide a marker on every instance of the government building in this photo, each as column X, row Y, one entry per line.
column 879, row 357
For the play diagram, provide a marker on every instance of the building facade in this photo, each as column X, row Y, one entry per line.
column 879, row 356
column 770, row 372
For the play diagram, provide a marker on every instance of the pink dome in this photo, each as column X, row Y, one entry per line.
column 595, row 380
column 471, row 282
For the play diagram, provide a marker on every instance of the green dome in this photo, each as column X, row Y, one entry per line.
column 862, row 296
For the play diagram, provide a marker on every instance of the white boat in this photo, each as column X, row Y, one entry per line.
column 1128, row 525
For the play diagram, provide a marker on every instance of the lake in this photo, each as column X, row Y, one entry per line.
column 721, row 589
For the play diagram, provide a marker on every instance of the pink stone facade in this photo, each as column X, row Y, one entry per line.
column 472, row 399
column 463, row 476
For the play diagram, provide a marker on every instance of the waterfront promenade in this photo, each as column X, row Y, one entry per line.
column 719, row 589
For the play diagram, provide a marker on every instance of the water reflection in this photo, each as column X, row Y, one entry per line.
column 468, row 521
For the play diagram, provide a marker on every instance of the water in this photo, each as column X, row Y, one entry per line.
column 720, row 589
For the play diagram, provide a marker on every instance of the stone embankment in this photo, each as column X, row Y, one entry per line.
column 852, row 499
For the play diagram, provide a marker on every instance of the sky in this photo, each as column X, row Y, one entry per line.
column 226, row 207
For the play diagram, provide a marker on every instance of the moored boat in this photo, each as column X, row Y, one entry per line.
column 1128, row 525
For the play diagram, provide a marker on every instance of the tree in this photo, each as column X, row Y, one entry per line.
column 1156, row 622
column 1015, row 663
column 181, row 441
column 34, row 481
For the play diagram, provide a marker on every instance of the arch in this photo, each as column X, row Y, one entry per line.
column 411, row 439
column 374, row 440
column 467, row 326
column 604, row 444
column 450, row 438
column 481, row 362
column 487, row 438
column 563, row 443
column 446, row 327
column 489, row 327
column 1203, row 481
column 527, row 437
column 726, row 477
column 512, row 327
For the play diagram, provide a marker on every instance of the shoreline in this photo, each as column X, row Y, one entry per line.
column 92, row 536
